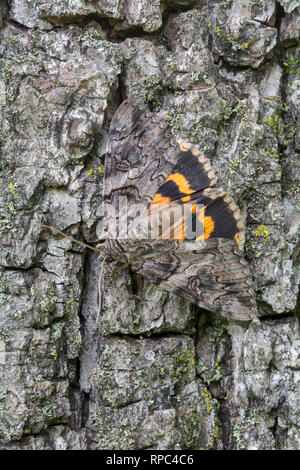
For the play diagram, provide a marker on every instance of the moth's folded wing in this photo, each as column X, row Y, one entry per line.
column 146, row 163
column 216, row 278
column 141, row 154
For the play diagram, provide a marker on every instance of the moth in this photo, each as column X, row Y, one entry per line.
column 145, row 164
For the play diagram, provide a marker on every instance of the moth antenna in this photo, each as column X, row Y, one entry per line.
column 55, row 230
column 100, row 289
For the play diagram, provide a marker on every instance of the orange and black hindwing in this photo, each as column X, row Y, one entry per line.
column 206, row 212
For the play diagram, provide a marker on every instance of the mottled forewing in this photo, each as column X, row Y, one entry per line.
column 213, row 275
column 141, row 154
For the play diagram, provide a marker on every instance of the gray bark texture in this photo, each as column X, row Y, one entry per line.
column 155, row 372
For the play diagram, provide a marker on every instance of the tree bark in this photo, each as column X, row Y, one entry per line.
column 155, row 372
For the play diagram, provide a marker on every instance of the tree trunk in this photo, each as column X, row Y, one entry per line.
column 155, row 372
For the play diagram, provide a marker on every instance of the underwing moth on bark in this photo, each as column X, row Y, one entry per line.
column 162, row 176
